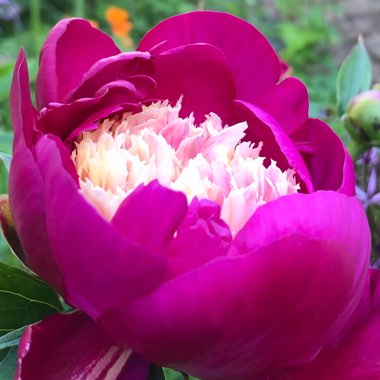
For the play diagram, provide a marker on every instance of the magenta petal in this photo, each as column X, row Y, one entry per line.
column 276, row 143
column 201, row 237
column 28, row 210
column 71, row 347
column 288, row 104
column 369, row 302
column 118, row 67
column 330, row 165
column 63, row 119
column 28, row 207
column 151, row 215
column 83, row 241
column 23, row 114
column 72, row 42
column 253, row 62
column 202, row 75
column 293, row 276
column 356, row 356
column 91, row 122
column 371, row 296
column 255, row 67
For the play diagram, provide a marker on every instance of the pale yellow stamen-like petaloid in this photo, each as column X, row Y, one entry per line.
column 205, row 161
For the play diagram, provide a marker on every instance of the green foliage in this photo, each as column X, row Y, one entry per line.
column 307, row 37
column 354, row 76
column 8, row 353
column 8, row 361
column 170, row 374
column 24, row 299
column 158, row 373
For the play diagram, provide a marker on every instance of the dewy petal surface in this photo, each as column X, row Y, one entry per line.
column 71, row 347
column 293, row 261
column 25, row 183
column 71, row 42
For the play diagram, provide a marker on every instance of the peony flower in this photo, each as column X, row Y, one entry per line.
column 180, row 197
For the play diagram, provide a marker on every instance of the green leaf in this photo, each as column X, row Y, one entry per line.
column 8, row 361
column 6, row 158
column 354, row 76
column 171, row 374
column 155, row 373
column 24, row 299
column 8, row 353
column 11, row 339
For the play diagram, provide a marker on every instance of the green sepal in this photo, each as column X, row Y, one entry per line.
column 354, row 76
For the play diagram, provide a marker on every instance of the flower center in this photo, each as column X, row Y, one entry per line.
column 205, row 161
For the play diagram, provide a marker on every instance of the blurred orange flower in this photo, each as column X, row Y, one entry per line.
column 118, row 19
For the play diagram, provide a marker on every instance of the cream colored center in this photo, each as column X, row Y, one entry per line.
column 205, row 161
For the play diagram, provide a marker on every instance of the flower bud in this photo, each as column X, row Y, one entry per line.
column 363, row 117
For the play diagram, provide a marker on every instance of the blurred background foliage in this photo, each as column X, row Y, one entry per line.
column 301, row 30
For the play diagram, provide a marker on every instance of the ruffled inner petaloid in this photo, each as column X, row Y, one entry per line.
column 205, row 161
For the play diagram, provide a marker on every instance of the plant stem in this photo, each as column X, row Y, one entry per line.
column 79, row 8
column 201, row 5
column 35, row 23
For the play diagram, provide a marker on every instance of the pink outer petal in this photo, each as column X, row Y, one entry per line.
column 25, row 183
column 330, row 165
column 252, row 59
column 101, row 267
column 71, row 347
column 201, row 74
column 277, row 145
column 70, row 49
column 23, row 114
column 293, row 276
column 356, row 356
